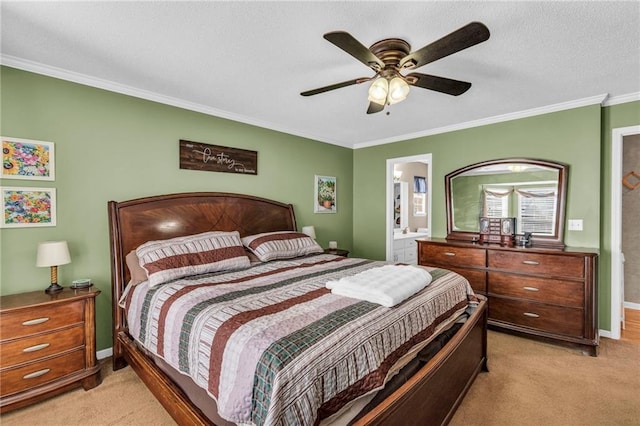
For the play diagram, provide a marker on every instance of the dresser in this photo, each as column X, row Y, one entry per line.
column 538, row 292
column 47, row 345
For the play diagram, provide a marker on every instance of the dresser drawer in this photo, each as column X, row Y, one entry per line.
column 550, row 318
column 34, row 347
column 559, row 292
column 40, row 372
column 26, row 322
column 431, row 254
column 476, row 277
column 534, row 263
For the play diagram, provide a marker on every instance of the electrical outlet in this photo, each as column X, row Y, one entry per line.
column 575, row 224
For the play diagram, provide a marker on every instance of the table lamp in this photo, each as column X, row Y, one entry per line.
column 310, row 231
column 53, row 254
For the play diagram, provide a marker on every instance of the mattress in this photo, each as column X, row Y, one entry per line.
column 271, row 345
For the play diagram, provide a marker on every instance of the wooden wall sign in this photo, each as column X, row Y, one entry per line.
column 213, row 158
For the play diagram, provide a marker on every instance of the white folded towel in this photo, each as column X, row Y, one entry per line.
column 385, row 285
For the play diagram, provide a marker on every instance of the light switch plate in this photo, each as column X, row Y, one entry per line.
column 575, row 224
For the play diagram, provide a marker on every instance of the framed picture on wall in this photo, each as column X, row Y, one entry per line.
column 28, row 207
column 27, row 159
column 325, row 195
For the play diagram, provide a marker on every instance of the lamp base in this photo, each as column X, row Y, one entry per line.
column 53, row 288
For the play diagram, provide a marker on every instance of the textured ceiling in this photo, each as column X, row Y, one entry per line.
column 249, row 61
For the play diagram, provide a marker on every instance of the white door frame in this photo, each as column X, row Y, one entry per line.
column 421, row 158
column 616, row 225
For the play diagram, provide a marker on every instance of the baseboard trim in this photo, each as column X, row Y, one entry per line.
column 105, row 353
column 604, row 333
column 631, row 305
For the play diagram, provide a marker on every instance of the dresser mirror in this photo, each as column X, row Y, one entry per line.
column 531, row 191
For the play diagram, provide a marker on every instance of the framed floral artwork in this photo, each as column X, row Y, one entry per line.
column 28, row 207
column 325, row 198
column 27, row 159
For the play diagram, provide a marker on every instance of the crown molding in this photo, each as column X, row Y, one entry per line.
column 622, row 99
column 87, row 80
column 123, row 89
column 592, row 100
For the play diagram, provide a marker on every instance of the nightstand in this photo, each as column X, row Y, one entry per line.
column 337, row 252
column 47, row 345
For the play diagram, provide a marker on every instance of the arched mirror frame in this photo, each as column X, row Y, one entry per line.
column 552, row 241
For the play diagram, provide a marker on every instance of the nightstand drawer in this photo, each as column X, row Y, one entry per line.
column 533, row 263
column 19, row 351
column 31, row 321
column 18, row 379
column 540, row 316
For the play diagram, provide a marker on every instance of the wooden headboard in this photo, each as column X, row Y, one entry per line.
column 134, row 222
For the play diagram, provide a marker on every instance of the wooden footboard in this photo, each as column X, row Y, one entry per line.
column 432, row 395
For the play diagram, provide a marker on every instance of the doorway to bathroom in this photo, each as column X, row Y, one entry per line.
column 408, row 206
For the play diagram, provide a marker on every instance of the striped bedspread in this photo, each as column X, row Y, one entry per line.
column 273, row 346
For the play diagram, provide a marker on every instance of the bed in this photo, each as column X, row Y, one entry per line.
column 430, row 384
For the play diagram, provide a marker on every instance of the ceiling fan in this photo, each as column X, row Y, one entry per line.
column 387, row 58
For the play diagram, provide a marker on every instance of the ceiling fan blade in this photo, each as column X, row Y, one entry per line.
column 353, row 47
column 335, row 86
column 439, row 84
column 374, row 107
column 462, row 38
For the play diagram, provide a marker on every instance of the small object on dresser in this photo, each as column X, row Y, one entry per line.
column 507, row 231
column 490, row 230
column 81, row 283
column 333, row 245
column 525, row 240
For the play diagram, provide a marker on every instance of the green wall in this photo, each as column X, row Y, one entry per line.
column 110, row 146
column 571, row 136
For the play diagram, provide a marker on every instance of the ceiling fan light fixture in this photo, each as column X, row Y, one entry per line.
column 398, row 90
column 378, row 91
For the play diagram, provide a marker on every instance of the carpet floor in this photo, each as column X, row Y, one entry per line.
column 529, row 383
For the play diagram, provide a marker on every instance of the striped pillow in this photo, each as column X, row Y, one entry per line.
column 281, row 245
column 167, row 260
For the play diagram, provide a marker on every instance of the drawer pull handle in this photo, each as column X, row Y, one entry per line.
column 36, row 321
column 36, row 347
column 36, row 374
column 531, row 288
column 448, row 253
column 530, row 262
column 531, row 315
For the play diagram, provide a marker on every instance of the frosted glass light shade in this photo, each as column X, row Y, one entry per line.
column 398, row 90
column 310, row 231
column 378, row 91
column 53, row 253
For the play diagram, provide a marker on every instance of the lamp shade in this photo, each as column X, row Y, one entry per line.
column 398, row 90
column 53, row 253
column 378, row 91
column 310, row 231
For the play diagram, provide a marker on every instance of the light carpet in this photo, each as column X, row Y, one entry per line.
column 529, row 383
